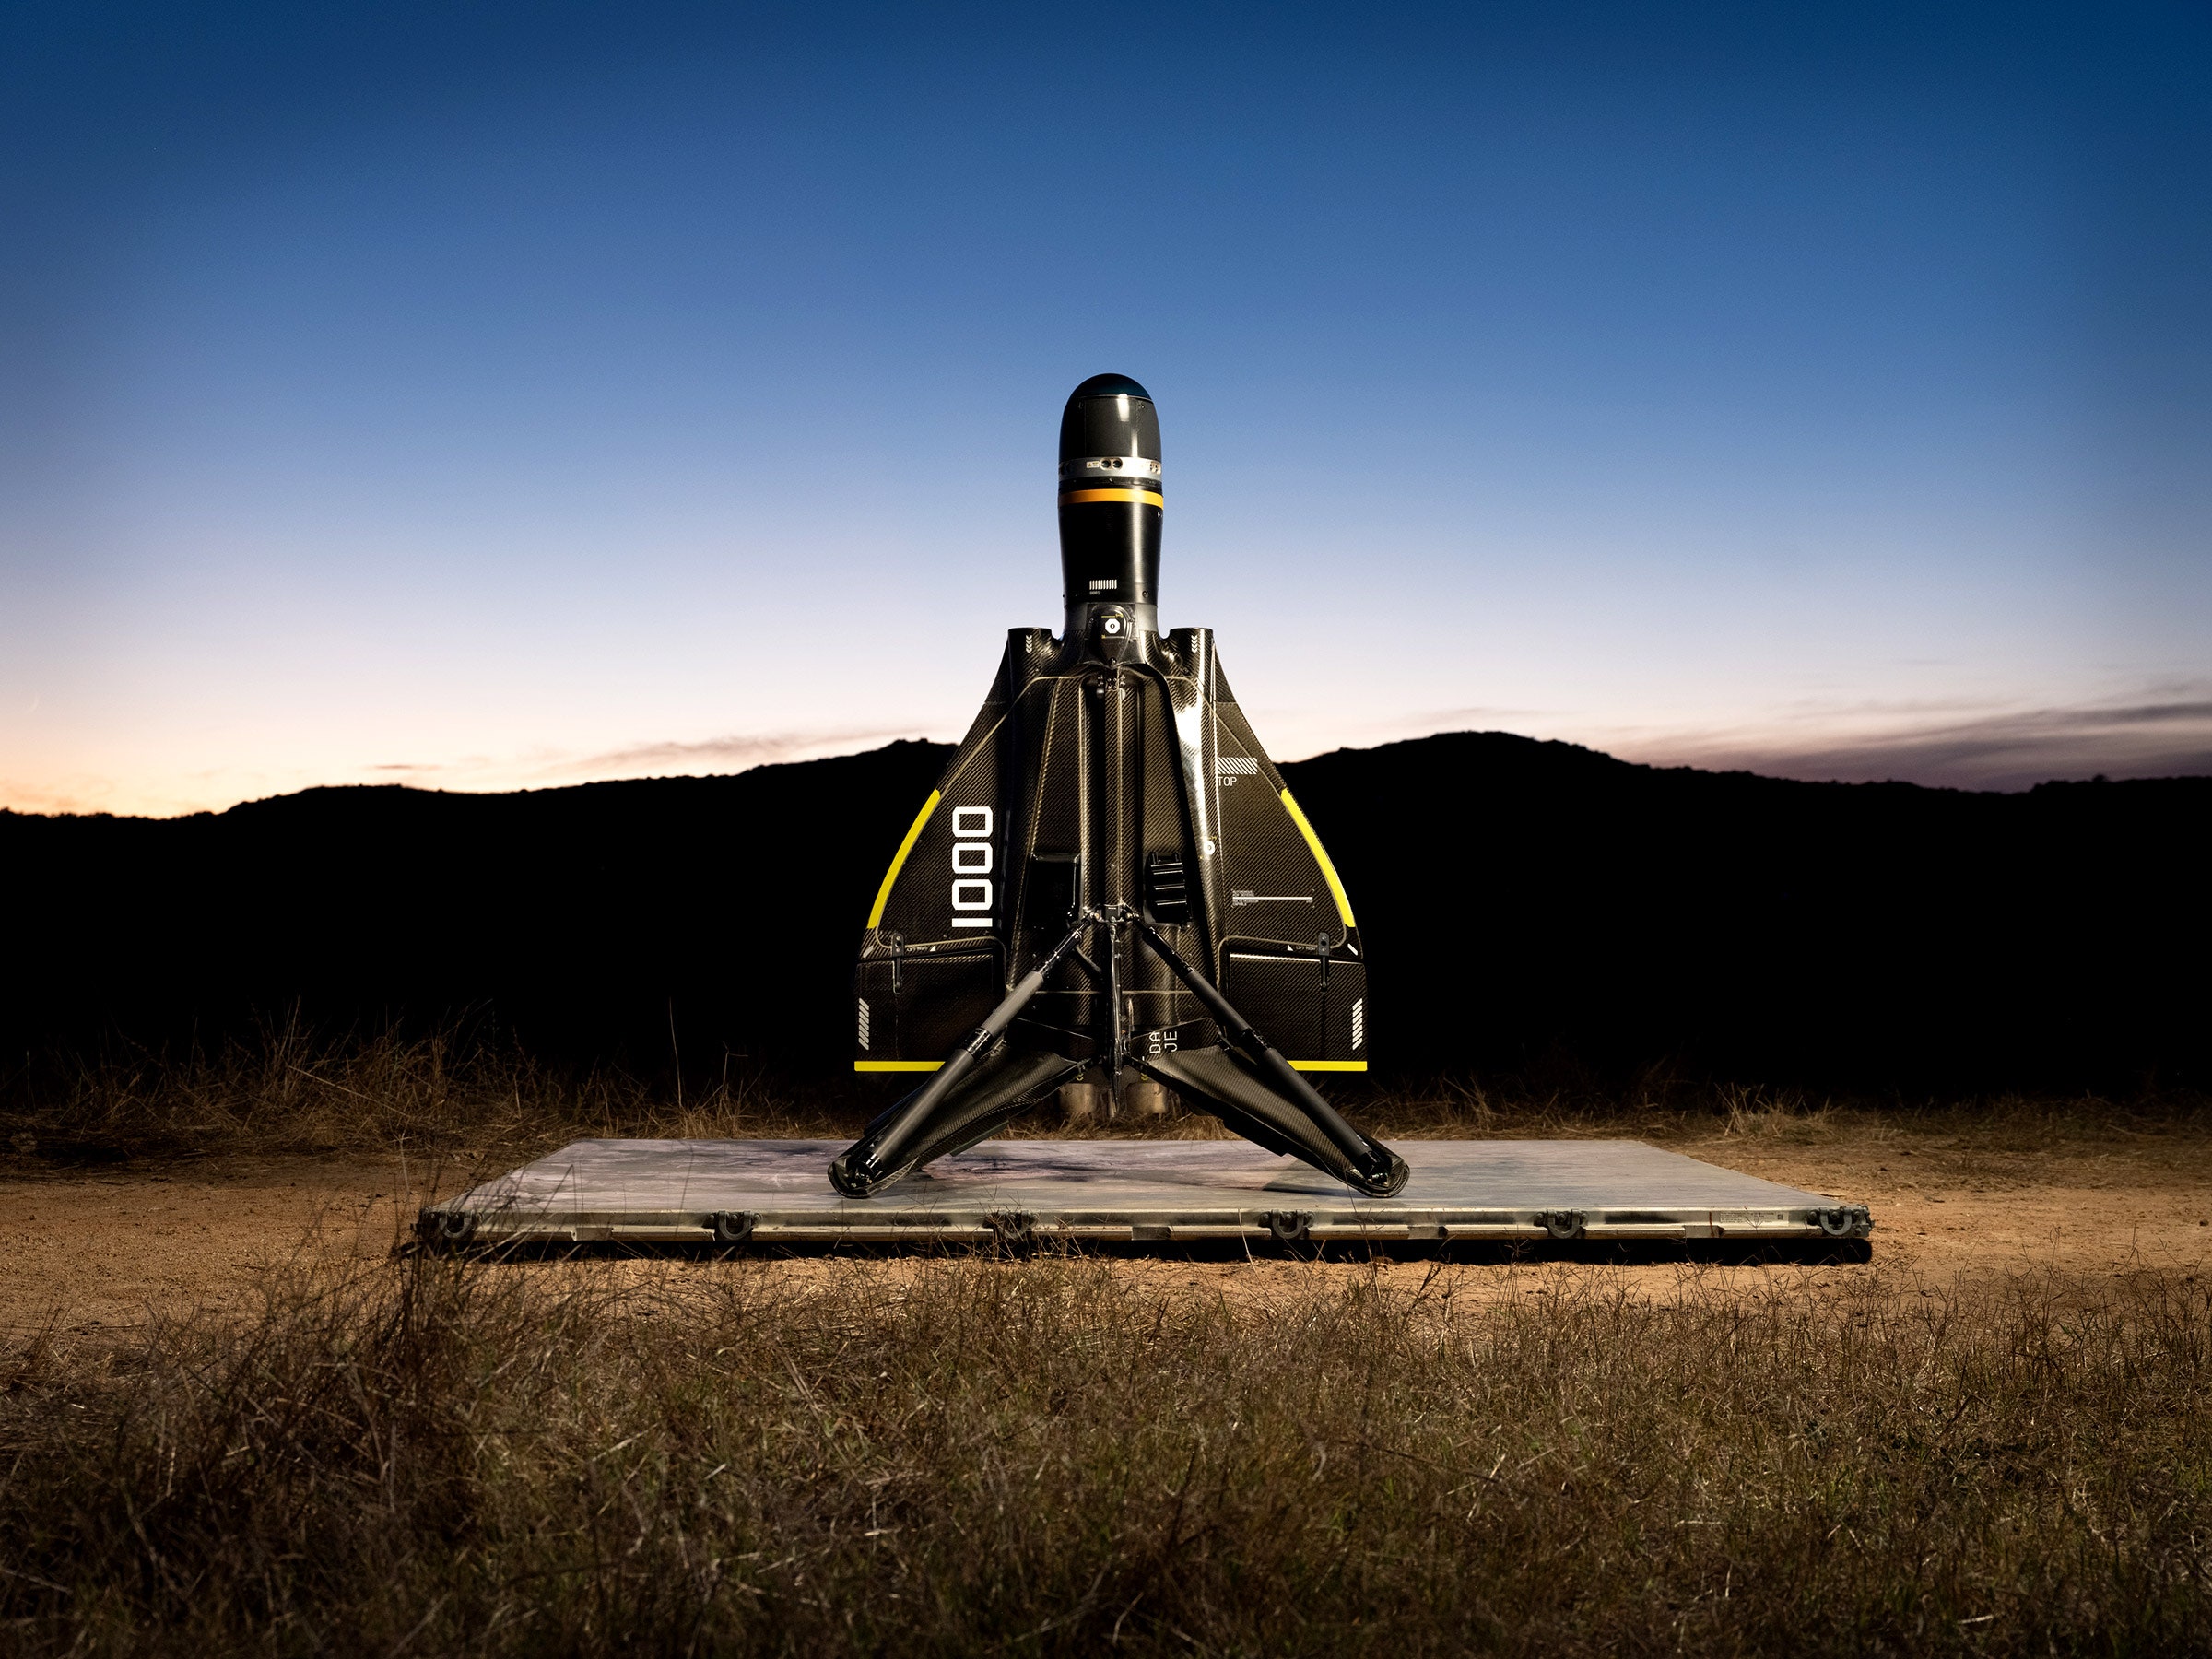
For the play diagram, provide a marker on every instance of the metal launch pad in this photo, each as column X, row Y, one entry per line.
column 1130, row 1191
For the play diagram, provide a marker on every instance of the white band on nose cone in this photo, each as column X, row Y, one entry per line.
column 1089, row 468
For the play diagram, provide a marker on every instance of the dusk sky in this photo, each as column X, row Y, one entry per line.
column 488, row 397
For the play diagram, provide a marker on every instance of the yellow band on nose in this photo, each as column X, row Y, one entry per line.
column 1077, row 497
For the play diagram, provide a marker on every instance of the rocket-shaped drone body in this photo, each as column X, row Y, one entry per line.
column 1111, row 877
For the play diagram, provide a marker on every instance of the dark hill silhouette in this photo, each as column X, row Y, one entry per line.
column 1522, row 901
column 1519, row 897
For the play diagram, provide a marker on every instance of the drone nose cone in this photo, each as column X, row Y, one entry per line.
column 1110, row 504
column 1108, row 414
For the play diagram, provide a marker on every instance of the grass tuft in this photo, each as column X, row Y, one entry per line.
column 292, row 1091
column 1055, row 1457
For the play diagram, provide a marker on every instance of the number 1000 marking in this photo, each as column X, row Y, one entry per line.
column 971, row 865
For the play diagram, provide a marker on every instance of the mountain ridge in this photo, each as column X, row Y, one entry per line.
column 1552, row 745
column 1522, row 900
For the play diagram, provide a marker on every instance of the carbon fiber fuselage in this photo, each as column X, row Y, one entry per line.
column 1105, row 771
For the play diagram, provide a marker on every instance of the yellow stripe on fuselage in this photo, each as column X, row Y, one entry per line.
column 883, row 893
column 1321, row 856
column 1328, row 1065
column 1075, row 498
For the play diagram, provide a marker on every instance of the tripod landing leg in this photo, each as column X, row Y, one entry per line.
column 1253, row 1083
column 1225, row 1083
column 977, row 1089
column 918, row 1130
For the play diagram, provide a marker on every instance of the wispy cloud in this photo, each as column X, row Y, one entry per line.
column 18, row 796
column 2011, row 748
column 2165, row 731
column 535, row 768
column 736, row 751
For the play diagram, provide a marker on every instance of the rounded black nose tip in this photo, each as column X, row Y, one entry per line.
column 1108, row 414
column 1109, row 385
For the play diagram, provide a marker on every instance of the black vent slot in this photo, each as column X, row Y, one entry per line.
column 1166, row 894
column 1055, row 880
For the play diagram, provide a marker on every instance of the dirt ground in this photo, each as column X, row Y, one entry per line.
column 103, row 1250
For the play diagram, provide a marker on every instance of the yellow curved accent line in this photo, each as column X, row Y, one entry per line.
column 883, row 893
column 1328, row 1065
column 1321, row 856
column 879, row 1066
column 1076, row 497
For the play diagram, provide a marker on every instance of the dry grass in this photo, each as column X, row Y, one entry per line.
column 973, row 1455
column 1672, row 1108
column 424, row 1455
column 294, row 1092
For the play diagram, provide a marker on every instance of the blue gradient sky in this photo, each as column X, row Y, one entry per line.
column 488, row 396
